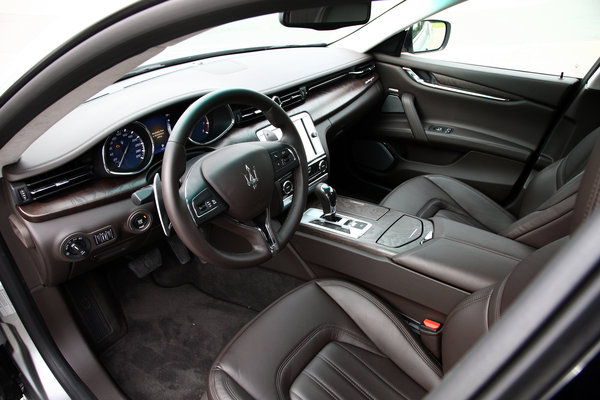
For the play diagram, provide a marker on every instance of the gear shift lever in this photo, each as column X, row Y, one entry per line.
column 328, row 198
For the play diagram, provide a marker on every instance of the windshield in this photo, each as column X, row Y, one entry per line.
column 29, row 30
column 259, row 32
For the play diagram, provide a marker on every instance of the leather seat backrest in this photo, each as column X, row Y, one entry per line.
column 546, row 212
column 475, row 315
column 548, row 182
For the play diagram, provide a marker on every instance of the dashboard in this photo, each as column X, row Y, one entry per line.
column 81, row 195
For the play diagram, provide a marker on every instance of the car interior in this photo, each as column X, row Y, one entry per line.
column 300, row 222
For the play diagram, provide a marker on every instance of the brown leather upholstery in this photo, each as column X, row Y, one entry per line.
column 545, row 214
column 332, row 339
column 323, row 320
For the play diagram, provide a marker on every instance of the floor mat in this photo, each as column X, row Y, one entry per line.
column 173, row 336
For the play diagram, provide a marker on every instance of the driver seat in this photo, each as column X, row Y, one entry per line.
column 333, row 339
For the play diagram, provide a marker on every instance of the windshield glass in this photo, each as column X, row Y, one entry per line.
column 258, row 32
column 31, row 29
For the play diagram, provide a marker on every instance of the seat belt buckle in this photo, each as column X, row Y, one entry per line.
column 430, row 325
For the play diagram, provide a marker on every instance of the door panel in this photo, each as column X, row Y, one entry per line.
column 473, row 123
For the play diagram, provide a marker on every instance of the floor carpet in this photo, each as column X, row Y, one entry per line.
column 173, row 336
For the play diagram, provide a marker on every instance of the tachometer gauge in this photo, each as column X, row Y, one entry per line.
column 201, row 131
column 128, row 150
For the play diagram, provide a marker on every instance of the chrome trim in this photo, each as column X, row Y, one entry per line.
column 228, row 107
column 109, row 171
column 312, row 214
column 419, row 80
column 58, row 184
column 268, row 234
column 165, row 223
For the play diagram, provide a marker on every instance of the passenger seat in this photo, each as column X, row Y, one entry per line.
column 545, row 213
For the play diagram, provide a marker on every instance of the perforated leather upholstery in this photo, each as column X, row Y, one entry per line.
column 545, row 214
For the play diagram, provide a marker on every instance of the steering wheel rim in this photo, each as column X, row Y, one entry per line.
column 264, row 241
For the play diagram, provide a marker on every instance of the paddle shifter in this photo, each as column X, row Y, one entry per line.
column 328, row 198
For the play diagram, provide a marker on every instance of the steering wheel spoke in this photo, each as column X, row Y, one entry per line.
column 264, row 224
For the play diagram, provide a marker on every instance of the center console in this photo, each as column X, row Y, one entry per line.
column 423, row 267
column 426, row 265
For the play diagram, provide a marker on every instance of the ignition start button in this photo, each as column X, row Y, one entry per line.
column 139, row 221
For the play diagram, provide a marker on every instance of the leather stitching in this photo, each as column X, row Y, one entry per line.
column 592, row 201
column 374, row 372
column 311, row 336
column 498, row 302
column 403, row 330
column 321, row 384
column 474, row 298
column 344, row 375
column 229, row 389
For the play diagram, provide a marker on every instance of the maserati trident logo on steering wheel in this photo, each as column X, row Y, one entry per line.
column 251, row 180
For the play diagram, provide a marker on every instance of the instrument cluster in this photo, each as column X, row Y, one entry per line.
column 132, row 148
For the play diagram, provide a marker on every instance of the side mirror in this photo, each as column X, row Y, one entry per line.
column 427, row 35
column 327, row 18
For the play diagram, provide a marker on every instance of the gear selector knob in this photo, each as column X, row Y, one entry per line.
column 328, row 198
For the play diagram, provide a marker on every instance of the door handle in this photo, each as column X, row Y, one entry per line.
column 408, row 102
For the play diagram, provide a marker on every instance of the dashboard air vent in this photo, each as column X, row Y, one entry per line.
column 363, row 69
column 285, row 99
column 50, row 183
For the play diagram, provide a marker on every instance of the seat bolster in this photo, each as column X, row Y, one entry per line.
column 480, row 207
column 430, row 195
column 544, row 226
column 267, row 355
column 467, row 322
column 411, row 196
column 476, row 314
column 391, row 336
column 224, row 387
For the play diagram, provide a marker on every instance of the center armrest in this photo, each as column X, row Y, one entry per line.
column 464, row 256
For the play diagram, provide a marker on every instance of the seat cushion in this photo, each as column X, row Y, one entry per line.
column 343, row 371
column 441, row 196
column 325, row 335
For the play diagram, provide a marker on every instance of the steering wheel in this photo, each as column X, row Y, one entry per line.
column 233, row 186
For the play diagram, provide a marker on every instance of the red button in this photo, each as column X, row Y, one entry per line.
column 432, row 324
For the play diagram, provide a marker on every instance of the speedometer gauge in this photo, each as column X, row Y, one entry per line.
column 128, row 150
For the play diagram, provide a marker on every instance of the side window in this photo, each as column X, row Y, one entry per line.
column 544, row 36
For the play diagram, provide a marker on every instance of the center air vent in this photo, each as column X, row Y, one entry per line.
column 50, row 183
column 285, row 99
